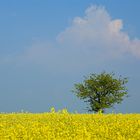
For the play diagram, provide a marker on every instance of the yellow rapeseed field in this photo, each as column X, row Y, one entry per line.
column 66, row 126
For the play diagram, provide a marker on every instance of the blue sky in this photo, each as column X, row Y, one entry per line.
column 47, row 46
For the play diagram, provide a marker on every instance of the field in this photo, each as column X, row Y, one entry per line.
column 65, row 126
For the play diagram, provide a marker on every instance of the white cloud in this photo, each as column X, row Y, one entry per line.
column 98, row 32
column 90, row 41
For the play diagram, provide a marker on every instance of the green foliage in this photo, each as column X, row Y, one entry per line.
column 101, row 91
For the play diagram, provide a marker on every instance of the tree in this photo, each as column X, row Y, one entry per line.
column 101, row 91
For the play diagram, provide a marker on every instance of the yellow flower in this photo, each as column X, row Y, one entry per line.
column 65, row 126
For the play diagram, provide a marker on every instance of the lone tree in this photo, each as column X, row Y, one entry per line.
column 101, row 91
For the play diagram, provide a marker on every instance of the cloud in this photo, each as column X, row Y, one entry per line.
column 91, row 40
column 98, row 32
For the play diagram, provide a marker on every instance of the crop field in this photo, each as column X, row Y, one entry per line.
column 66, row 126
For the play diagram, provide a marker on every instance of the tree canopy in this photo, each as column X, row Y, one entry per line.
column 101, row 91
